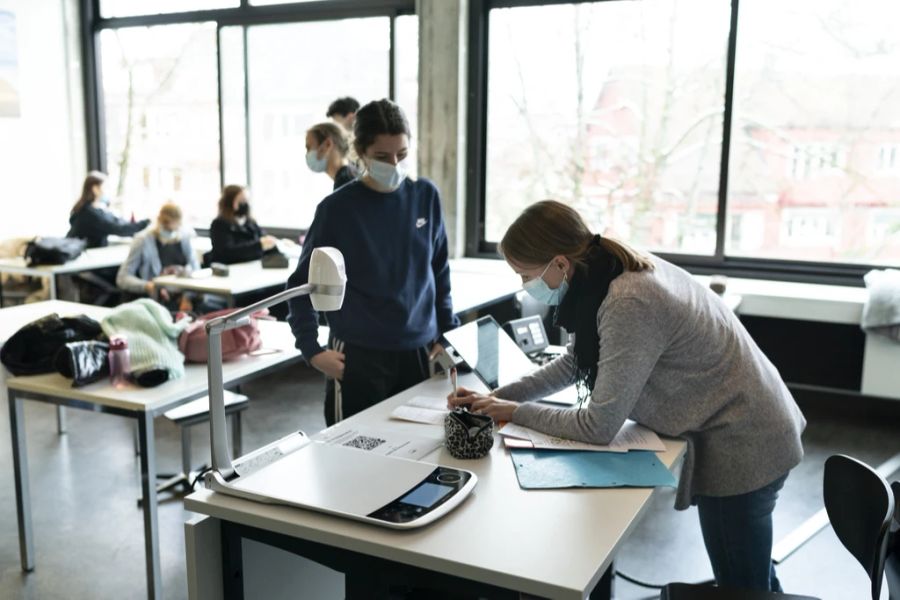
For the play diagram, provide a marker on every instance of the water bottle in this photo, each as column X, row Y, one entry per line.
column 119, row 361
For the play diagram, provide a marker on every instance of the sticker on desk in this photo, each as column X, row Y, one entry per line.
column 380, row 441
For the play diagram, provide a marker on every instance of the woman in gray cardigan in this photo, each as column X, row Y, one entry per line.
column 653, row 345
column 162, row 249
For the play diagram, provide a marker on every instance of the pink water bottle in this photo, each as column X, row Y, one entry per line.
column 119, row 361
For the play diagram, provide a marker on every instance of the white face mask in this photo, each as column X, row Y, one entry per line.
column 167, row 235
column 316, row 164
column 386, row 175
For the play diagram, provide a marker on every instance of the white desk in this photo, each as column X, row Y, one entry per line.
column 89, row 260
column 551, row 543
column 242, row 278
column 15, row 317
column 476, row 283
column 142, row 404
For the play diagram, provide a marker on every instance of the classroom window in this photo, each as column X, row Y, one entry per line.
column 816, row 107
column 161, row 111
column 614, row 108
column 406, row 68
column 295, row 70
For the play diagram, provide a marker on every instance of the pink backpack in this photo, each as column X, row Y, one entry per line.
column 235, row 342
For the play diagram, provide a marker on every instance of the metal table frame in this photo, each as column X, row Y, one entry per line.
column 147, row 457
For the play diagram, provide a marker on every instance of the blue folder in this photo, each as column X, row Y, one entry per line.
column 549, row 469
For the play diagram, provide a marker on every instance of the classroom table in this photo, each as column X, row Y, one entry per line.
column 550, row 543
column 15, row 317
column 91, row 259
column 242, row 278
column 476, row 283
column 142, row 404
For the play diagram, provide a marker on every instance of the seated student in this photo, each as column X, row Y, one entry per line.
column 327, row 150
column 343, row 111
column 235, row 235
column 161, row 250
column 90, row 218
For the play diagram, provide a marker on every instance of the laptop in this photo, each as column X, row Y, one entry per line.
column 495, row 358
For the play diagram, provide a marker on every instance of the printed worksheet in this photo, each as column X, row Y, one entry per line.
column 630, row 437
column 385, row 441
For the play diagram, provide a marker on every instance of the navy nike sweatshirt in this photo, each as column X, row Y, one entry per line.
column 398, row 278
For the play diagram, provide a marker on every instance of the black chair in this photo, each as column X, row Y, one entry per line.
column 860, row 505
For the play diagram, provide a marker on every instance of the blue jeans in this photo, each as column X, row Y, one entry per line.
column 737, row 531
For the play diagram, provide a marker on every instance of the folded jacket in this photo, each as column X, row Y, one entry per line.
column 151, row 334
column 32, row 348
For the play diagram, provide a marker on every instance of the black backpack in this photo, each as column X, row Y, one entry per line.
column 32, row 348
column 53, row 251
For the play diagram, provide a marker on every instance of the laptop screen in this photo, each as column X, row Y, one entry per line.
column 489, row 351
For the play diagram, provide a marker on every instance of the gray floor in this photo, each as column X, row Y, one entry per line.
column 88, row 531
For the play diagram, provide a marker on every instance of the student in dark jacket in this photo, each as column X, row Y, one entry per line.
column 391, row 232
column 90, row 218
column 235, row 235
column 328, row 151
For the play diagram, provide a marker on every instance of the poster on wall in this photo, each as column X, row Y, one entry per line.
column 9, row 67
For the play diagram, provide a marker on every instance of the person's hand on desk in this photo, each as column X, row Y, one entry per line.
column 436, row 350
column 267, row 242
column 151, row 290
column 330, row 362
column 480, row 404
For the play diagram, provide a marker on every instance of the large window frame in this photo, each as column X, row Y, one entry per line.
column 719, row 262
column 246, row 15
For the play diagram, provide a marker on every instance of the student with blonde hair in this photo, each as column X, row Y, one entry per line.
column 164, row 248
column 653, row 345
column 328, row 151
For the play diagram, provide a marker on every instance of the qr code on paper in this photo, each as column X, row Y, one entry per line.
column 364, row 442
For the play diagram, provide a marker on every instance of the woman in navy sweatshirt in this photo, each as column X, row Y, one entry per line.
column 391, row 232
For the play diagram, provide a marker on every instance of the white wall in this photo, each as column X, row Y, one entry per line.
column 42, row 152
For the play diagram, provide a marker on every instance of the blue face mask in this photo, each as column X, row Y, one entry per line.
column 316, row 164
column 105, row 201
column 168, row 235
column 387, row 175
column 538, row 289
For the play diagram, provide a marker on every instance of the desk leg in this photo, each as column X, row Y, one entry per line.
column 60, row 410
column 232, row 562
column 60, row 419
column 604, row 588
column 148, row 495
column 20, row 472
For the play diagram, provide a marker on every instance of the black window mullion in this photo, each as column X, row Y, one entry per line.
column 392, row 60
column 476, row 205
column 722, row 210
column 95, row 130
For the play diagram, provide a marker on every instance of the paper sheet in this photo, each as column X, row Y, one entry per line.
column 422, row 409
column 631, row 437
column 418, row 415
column 381, row 441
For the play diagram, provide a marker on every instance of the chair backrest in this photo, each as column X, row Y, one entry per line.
column 860, row 506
